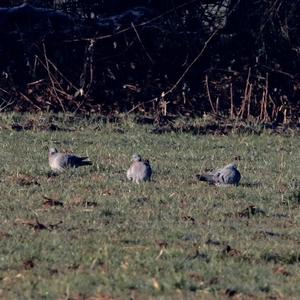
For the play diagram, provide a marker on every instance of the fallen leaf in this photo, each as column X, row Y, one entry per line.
column 280, row 270
column 28, row 264
column 36, row 225
column 78, row 201
column 24, row 180
column 162, row 243
column 49, row 202
column 231, row 251
column 230, row 292
column 251, row 210
column 187, row 218
column 106, row 192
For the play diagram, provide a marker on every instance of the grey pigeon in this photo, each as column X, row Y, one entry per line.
column 58, row 161
column 226, row 176
column 140, row 169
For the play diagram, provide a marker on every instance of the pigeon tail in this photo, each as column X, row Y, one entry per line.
column 85, row 163
column 75, row 161
column 206, row 177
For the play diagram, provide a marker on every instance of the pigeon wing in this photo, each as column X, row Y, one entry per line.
column 228, row 176
column 148, row 171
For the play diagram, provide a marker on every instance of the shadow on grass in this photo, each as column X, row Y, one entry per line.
column 250, row 184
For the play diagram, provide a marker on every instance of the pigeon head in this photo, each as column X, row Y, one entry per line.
column 52, row 151
column 136, row 157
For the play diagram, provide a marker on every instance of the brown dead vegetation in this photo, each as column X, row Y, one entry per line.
column 236, row 59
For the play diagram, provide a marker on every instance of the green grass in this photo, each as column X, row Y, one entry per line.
column 165, row 239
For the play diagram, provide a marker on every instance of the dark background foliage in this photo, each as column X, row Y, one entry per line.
column 233, row 58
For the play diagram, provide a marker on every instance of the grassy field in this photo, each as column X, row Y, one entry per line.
column 91, row 234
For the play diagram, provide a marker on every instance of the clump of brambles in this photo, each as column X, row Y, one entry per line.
column 236, row 59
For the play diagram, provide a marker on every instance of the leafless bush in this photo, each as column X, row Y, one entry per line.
column 234, row 58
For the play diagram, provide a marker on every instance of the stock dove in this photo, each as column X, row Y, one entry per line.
column 140, row 169
column 58, row 161
column 226, row 176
